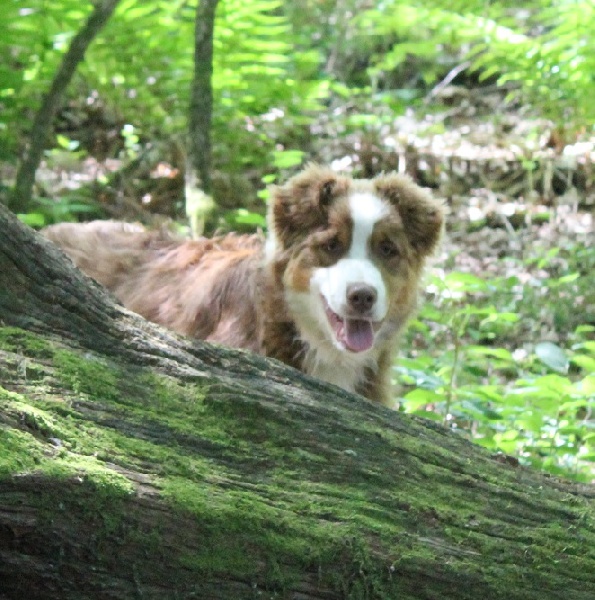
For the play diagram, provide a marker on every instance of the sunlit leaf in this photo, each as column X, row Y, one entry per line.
column 500, row 353
column 420, row 397
column 587, row 385
column 465, row 282
column 245, row 217
column 422, row 379
column 428, row 414
column 584, row 362
column 288, row 158
column 33, row 219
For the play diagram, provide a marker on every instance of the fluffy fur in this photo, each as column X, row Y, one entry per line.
column 328, row 292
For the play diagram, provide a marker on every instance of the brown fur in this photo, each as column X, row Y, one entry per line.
column 224, row 290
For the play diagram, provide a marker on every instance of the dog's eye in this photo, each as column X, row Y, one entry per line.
column 387, row 249
column 333, row 246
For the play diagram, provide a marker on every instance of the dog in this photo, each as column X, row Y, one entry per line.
column 328, row 291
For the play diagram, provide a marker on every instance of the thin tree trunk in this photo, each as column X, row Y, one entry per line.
column 135, row 463
column 25, row 178
column 201, row 98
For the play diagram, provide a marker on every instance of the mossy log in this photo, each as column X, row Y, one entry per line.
column 138, row 464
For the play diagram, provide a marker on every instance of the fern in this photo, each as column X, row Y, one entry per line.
column 547, row 49
column 144, row 58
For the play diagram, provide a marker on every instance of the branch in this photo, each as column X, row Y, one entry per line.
column 201, row 98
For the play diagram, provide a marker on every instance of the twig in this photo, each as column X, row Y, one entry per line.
column 447, row 80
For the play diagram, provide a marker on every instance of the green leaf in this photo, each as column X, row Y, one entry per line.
column 584, row 362
column 552, row 356
column 465, row 282
column 420, row 397
column 587, row 385
column 585, row 329
column 421, row 379
column 553, row 385
column 245, row 217
column 500, row 353
column 428, row 414
column 33, row 219
column 286, row 159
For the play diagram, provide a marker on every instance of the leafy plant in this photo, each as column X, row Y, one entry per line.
column 545, row 49
column 143, row 58
column 535, row 404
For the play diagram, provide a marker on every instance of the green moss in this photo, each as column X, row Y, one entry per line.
column 257, row 539
column 42, row 445
column 105, row 480
column 19, row 341
column 267, row 503
column 19, row 452
column 88, row 374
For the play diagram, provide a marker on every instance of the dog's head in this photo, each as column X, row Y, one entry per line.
column 349, row 254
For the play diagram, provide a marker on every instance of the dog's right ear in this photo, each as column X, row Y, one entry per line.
column 301, row 205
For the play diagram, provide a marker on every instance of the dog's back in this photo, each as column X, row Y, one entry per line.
column 204, row 288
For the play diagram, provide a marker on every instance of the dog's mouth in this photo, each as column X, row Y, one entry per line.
column 356, row 335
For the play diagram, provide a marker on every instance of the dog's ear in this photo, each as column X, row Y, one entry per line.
column 422, row 215
column 301, row 205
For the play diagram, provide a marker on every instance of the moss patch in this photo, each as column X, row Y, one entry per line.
column 24, row 343
column 19, row 453
column 88, row 374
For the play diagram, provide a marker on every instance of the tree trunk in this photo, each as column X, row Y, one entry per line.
column 25, row 178
column 201, row 98
column 138, row 464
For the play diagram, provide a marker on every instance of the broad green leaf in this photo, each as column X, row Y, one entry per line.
column 588, row 346
column 585, row 329
column 507, row 317
column 573, row 405
column 422, row 379
column 587, row 385
column 245, row 217
column 286, row 159
column 465, row 282
column 33, row 219
column 572, row 430
column 420, row 397
column 428, row 414
column 584, row 362
column 552, row 356
column 500, row 353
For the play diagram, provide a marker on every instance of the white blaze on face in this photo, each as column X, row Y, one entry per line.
column 356, row 267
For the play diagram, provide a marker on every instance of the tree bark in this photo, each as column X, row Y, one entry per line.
column 25, row 178
column 201, row 98
column 135, row 463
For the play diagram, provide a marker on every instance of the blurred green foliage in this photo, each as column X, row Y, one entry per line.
column 546, row 49
column 283, row 62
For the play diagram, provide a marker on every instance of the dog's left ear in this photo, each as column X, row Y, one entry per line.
column 422, row 215
column 302, row 203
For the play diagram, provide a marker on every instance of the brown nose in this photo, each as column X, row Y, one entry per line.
column 361, row 297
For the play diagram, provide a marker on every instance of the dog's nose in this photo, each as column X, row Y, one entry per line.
column 361, row 297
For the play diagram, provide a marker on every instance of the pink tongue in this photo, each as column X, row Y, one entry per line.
column 359, row 335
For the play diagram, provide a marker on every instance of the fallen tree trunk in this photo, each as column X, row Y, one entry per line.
column 136, row 463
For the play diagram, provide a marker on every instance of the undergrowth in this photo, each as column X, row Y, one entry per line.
column 482, row 362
